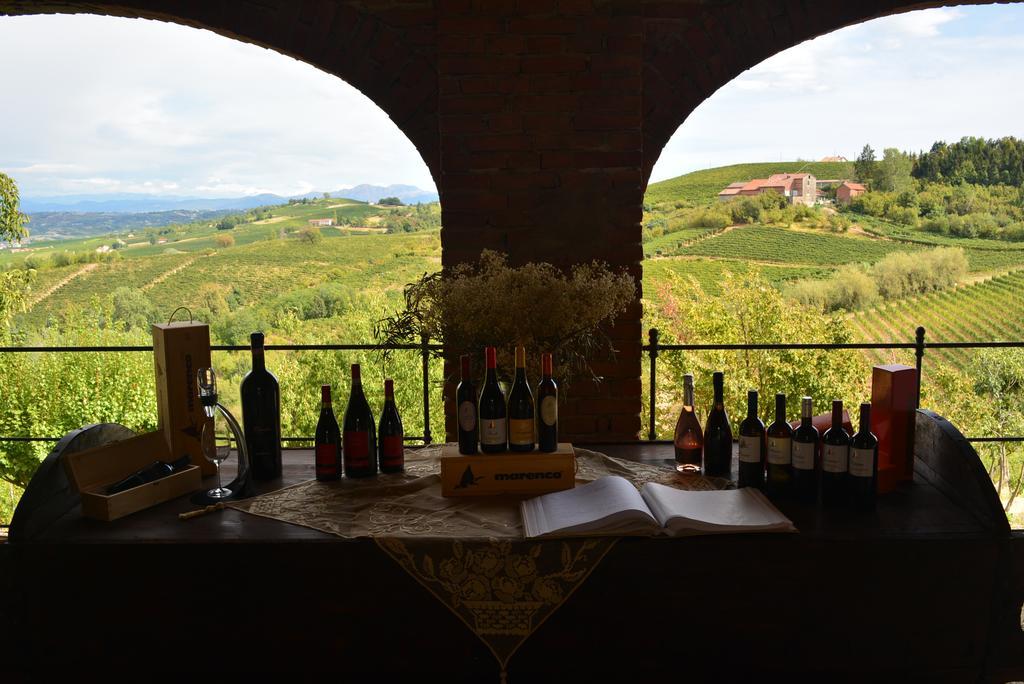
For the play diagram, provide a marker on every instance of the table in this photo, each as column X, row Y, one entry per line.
column 925, row 587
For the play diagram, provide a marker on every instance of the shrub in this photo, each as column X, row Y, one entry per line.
column 224, row 241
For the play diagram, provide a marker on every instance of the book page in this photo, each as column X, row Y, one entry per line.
column 606, row 506
column 729, row 510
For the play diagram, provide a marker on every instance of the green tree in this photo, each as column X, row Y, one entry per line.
column 132, row 308
column 390, row 202
column 892, row 174
column 14, row 284
column 864, row 165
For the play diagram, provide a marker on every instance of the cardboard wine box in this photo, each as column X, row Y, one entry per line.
column 179, row 350
column 893, row 408
column 93, row 470
column 534, row 472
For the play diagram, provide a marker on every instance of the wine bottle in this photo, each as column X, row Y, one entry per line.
column 863, row 478
column 805, row 455
column 151, row 473
column 327, row 440
column 752, row 446
column 689, row 437
column 493, row 435
column 391, row 434
column 835, row 456
column 718, row 435
column 780, row 452
column 547, row 408
column 359, row 436
column 261, row 415
column 520, row 408
column 465, row 398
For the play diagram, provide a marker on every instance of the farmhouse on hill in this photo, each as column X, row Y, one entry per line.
column 847, row 190
column 799, row 188
column 321, row 222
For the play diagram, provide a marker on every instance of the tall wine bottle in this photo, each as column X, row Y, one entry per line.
column 718, row 435
column 806, row 455
column 327, row 440
column 780, row 452
column 520, row 408
column 863, row 480
column 390, row 433
column 261, row 415
column 752, row 446
column 465, row 399
column 493, row 435
column 359, row 436
column 834, row 460
column 689, row 437
column 547, row 408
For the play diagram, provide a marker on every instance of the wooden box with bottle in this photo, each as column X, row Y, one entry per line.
column 92, row 472
column 531, row 472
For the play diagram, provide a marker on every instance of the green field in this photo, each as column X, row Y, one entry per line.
column 700, row 187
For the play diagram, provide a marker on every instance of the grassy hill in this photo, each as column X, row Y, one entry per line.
column 703, row 186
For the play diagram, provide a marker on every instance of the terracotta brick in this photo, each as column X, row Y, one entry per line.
column 553, row 64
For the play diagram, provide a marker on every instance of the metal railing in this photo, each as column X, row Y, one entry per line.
column 919, row 345
column 424, row 348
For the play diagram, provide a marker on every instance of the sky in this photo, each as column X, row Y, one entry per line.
column 93, row 105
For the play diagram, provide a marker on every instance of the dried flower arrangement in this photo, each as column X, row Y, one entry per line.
column 489, row 303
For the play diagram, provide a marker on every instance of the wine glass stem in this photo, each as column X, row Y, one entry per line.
column 219, row 487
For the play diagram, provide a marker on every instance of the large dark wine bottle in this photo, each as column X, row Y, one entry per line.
column 718, row 435
column 863, row 480
column 261, row 415
column 359, row 438
column 520, row 408
column 689, row 437
column 465, row 399
column 805, row 455
column 547, row 408
column 327, row 440
column 779, row 480
column 390, row 433
column 493, row 435
column 752, row 446
column 834, row 460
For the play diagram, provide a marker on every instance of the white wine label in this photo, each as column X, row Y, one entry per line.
column 492, row 431
column 803, row 456
column 750, row 449
column 834, row 458
column 520, row 431
column 467, row 416
column 780, row 450
column 549, row 410
column 862, row 462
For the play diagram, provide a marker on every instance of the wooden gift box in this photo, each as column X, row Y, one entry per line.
column 534, row 472
column 93, row 470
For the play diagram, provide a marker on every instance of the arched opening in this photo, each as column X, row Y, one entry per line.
column 786, row 231
column 166, row 166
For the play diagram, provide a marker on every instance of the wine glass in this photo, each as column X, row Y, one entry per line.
column 216, row 449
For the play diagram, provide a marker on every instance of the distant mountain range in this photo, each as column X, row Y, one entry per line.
column 143, row 203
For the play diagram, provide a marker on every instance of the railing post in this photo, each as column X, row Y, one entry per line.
column 919, row 351
column 652, row 336
column 425, row 352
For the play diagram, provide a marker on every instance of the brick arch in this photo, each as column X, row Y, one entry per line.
column 381, row 54
column 692, row 51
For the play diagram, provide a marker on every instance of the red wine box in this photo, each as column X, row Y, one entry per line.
column 534, row 472
column 179, row 350
column 893, row 408
column 91, row 471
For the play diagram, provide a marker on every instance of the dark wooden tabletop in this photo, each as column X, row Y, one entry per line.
column 917, row 511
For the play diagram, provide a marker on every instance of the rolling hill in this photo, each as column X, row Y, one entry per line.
column 700, row 187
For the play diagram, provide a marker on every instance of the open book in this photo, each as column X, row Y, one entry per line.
column 612, row 506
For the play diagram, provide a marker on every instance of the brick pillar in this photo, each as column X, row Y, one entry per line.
column 540, row 118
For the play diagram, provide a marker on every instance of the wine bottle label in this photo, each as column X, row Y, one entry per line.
column 834, row 458
column 780, row 450
column 326, row 455
column 520, row 431
column 549, row 410
column 392, row 451
column 357, row 449
column 803, row 456
column 467, row 416
column 492, row 431
column 862, row 462
column 750, row 449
